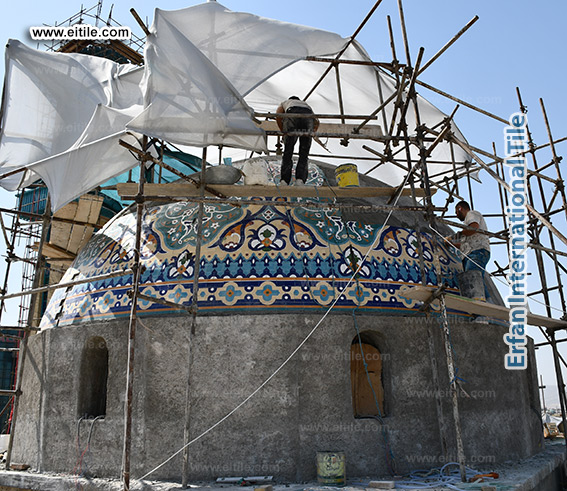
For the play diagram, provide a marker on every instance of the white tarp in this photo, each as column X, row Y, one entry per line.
column 264, row 60
column 206, row 67
column 49, row 101
column 189, row 101
column 363, row 90
column 94, row 158
column 246, row 48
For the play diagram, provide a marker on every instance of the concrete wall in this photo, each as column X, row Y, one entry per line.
column 304, row 409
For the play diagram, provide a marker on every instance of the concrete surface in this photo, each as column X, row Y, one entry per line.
column 542, row 472
column 306, row 408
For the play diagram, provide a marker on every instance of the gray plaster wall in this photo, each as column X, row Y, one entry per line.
column 305, row 408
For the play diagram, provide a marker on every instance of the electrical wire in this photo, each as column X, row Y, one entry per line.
column 78, row 470
column 433, row 478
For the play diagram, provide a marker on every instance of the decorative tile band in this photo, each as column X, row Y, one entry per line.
column 254, row 257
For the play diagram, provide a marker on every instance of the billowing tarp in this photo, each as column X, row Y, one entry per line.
column 246, row 48
column 94, row 158
column 49, row 101
column 267, row 61
column 189, row 101
column 207, row 69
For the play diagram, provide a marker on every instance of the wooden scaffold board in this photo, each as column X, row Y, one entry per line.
column 464, row 304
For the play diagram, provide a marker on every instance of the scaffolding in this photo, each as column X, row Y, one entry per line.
column 547, row 205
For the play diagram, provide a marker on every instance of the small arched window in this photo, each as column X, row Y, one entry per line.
column 367, row 388
column 93, row 379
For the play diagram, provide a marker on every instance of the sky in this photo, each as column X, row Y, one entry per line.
column 515, row 43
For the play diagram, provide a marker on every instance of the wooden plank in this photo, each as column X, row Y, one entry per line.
column 89, row 205
column 180, row 190
column 61, row 263
column 333, row 130
column 88, row 209
column 59, row 235
column 68, row 211
column 80, row 235
column 60, row 231
column 72, row 237
column 464, row 304
column 53, row 251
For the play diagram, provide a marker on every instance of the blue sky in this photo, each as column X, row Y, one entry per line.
column 514, row 43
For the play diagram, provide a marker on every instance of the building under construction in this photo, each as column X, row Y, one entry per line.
column 186, row 317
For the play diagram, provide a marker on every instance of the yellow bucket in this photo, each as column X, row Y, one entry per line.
column 331, row 468
column 347, row 175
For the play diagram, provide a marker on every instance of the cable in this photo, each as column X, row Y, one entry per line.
column 263, row 384
column 433, row 478
column 78, row 469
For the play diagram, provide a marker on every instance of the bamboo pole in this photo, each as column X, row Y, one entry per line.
column 53, row 218
column 533, row 225
column 292, row 204
column 140, row 22
column 66, row 284
column 269, row 115
column 136, row 275
column 462, row 102
column 340, row 94
column 404, row 33
column 349, row 42
column 560, row 382
column 448, row 44
column 538, row 215
column 426, row 183
column 18, row 328
column 24, row 342
column 453, row 382
column 390, row 66
column 411, row 92
column 161, row 301
column 191, row 333
column 559, row 189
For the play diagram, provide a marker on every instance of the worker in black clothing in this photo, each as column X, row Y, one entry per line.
column 296, row 105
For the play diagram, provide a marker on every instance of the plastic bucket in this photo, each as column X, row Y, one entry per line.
column 331, row 468
column 347, row 175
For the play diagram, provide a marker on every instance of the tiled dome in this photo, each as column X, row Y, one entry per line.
column 254, row 259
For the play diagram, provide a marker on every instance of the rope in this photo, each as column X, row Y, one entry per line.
column 284, row 363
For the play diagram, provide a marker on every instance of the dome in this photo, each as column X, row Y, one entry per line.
column 258, row 258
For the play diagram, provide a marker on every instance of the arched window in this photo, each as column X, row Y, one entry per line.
column 367, row 388
column 93, row 379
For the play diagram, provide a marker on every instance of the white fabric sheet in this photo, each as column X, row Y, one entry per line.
column 265, row 60
column 189, row 101
column 206, row 67
column 246, row 48
column 49, row 100
column 94, row 158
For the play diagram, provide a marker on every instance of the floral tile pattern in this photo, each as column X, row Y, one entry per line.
column 254, row 258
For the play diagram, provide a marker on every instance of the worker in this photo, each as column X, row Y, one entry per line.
column 295, row 105
column 474, row 245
